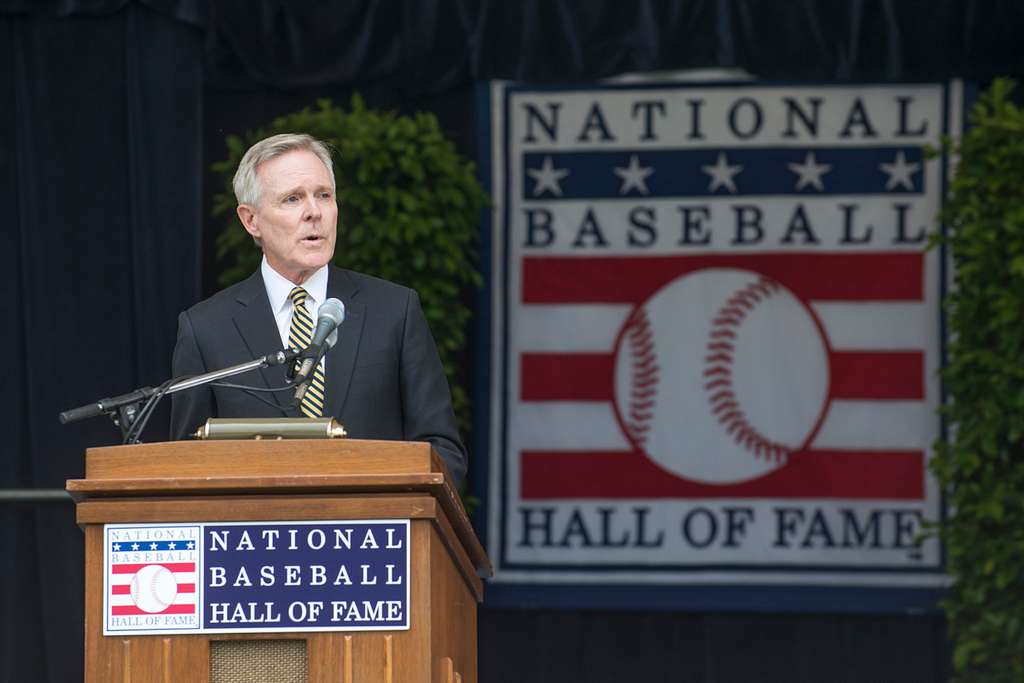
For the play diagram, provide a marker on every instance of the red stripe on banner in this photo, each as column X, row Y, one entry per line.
column 813, row 277
column 591, row 376
column 897, row 475
column 126, row 588
column 878, row 375
column 566, row 377
column 132, row 568
column 124, row 610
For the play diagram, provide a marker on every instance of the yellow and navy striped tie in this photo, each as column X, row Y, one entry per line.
column 299, row 335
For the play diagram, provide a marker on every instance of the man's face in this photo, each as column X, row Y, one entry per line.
column 296, row 219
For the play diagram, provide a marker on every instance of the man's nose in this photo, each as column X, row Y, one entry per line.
column 311, row 209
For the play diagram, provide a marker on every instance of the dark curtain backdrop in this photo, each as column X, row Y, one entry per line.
column 100, row 118
column 413, row 47
column 112, row 110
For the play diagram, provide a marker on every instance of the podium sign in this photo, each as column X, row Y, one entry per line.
column 247, row 577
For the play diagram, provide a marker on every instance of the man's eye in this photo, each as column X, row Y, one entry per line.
column 292, row 198
column 325, row 195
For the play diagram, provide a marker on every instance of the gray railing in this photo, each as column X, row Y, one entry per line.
column 34, row 496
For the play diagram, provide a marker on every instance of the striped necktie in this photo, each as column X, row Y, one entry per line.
column 299, row 335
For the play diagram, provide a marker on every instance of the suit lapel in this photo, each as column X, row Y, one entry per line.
column 341, row 358
column 255, row 322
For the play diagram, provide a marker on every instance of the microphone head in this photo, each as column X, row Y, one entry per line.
column 332, row 309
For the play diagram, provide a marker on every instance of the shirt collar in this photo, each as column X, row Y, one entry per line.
column 279, row 287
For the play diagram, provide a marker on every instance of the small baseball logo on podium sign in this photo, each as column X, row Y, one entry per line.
column 152, row 578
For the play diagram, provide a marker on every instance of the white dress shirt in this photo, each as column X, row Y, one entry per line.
column 278, row 289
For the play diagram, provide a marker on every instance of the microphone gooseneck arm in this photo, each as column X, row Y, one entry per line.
column 124, row 408
column 279, row 358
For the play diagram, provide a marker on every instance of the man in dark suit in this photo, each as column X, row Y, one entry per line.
column 381, row 380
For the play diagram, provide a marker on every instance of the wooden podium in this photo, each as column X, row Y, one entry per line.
column 289, row 480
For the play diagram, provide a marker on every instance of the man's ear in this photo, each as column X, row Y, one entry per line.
column 247, row 215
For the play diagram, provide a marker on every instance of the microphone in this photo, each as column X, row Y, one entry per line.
column 104, row 405
column 331, row 314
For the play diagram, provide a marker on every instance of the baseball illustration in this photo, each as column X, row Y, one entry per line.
column 720, row 375
column 153, row 588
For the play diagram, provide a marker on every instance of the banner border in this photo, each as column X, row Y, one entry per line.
column 490, row 439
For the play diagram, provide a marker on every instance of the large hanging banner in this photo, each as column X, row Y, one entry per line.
column 715, row 333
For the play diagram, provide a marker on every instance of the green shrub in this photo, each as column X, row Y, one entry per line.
column 980, row 465
column 409, row 213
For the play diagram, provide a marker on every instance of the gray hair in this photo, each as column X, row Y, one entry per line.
column 247, row 185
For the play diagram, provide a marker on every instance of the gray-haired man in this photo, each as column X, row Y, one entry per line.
column 382, row 380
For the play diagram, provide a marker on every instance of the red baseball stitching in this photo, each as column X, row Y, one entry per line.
column 718, row 370
column 156, row 594
column 645, row 377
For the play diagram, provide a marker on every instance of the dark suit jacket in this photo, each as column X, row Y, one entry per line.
column 384, row 378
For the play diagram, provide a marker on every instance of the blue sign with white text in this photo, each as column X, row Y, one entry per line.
column 306, row 576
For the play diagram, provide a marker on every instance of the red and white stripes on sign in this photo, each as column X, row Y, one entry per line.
column 718, row 370
column 120, row 599
column 872, row 308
